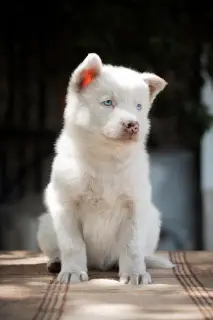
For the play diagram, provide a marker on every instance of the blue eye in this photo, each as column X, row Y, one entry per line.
column 139, row 107
column 107, row 103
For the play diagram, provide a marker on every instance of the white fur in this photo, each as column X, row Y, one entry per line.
column 99, row 194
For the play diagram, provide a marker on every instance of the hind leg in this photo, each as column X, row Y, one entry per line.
column 152, row 260
column 153, row 233
column 47, row 242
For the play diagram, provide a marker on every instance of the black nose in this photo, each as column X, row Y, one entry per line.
column 131, row 127
column 131, row 124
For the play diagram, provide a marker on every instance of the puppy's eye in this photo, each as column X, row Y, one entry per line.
column 107, row 103
column 139, row 107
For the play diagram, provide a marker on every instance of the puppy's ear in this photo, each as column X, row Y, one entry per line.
column 155, row 84
column 86, row 72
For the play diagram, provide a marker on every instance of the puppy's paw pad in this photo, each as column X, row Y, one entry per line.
column 72, row 277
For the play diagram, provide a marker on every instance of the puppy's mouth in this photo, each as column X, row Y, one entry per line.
column 124, row 137
column 130, row 135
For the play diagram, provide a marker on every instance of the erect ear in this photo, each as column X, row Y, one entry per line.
column 86, row 72
column 155, row 84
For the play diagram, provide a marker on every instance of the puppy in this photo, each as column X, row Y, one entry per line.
column 100, row 210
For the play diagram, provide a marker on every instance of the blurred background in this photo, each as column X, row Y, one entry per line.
column 40, row 46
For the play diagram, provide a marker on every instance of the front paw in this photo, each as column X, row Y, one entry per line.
column 72, row 277
column 136, row 279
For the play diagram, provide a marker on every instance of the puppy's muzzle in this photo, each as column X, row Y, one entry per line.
column 131, row 128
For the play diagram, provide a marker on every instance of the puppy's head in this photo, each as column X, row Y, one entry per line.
column 110, row 102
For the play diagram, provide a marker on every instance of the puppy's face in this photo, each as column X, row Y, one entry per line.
column 111, row 102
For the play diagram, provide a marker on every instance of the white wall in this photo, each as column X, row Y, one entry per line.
column 207, row 169
column 172, row 179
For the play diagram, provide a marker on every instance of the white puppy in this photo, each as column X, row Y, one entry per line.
column 99, row 195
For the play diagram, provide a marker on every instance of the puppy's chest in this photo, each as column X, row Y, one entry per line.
column 105, row 190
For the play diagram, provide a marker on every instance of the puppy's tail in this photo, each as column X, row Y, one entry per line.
column 156, row 261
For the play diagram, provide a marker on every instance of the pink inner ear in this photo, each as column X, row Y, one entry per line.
column 152, row 89
column 87, row 77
